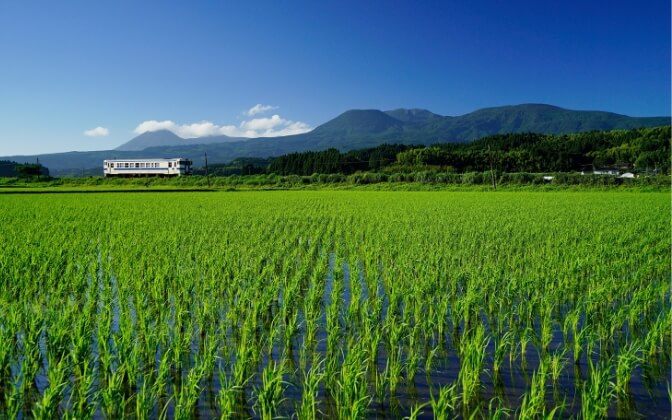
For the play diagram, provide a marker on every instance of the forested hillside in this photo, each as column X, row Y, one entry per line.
column 645, row 149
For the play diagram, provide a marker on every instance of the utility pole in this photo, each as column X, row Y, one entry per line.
column 492, row 172
column 207, row 175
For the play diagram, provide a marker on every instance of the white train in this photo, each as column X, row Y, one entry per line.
column 147, row 167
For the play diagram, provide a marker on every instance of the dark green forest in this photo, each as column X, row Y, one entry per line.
column 645, row 150
column 331, row 161
column 240, row 166
column 9, row 168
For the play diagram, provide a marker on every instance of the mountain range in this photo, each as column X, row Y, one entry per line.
column 168, row 138
column 352, row 130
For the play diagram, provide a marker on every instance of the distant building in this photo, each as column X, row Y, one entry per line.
column 606, row 171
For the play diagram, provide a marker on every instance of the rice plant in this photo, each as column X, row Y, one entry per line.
column 229, row 304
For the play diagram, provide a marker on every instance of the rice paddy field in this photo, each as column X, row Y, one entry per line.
column 335, row 304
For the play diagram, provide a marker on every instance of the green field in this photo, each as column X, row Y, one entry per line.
column 326, row 304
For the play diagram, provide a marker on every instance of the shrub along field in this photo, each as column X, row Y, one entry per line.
column 329, row 304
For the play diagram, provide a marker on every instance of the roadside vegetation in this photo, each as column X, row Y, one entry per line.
column 429, row 179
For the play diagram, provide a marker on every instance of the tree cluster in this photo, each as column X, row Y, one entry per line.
column 10, row 168
column 331, row 161
column 240, row 166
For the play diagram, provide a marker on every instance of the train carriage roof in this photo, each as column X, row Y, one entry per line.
column 146, row 160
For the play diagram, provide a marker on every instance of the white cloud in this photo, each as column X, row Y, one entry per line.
column 154, row 125
column 97, row 132
column 273, row 126
column 259, row 109
column 257, row 127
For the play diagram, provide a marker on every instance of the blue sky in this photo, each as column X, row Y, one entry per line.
column 114, row 68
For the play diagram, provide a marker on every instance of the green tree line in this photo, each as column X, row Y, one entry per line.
column 9, row 168
column 643, row 150
column 331, row 161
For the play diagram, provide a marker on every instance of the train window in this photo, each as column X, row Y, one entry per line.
column 125, row 165
column 170, row 164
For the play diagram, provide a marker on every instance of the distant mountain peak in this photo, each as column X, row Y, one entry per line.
column 166, row 138
column 528, row 106
column 152, row 139
column 360, row 121
column 413, row 115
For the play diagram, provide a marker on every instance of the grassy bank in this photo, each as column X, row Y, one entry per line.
column 363, row 181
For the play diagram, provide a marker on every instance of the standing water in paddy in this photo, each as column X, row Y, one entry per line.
column 335, row 304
